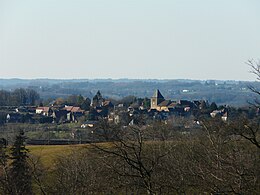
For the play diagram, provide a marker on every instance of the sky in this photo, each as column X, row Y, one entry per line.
column 141, row 39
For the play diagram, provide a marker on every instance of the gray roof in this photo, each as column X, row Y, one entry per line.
column 165, row 103
column 157, row 94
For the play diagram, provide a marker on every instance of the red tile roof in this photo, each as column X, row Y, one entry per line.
column 73, row 109
column 44, row 109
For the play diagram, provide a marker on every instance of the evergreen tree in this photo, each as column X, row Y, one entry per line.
column 86, row 104
column 213, row 106
column 20, row 173
column 203, row 105
column 4, row 184
column 146, row 102
column 80, row 100
column 3, row 155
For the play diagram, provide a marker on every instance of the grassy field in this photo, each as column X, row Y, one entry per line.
column 48, row 154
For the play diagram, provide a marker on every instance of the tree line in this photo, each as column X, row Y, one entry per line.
column 19, row 97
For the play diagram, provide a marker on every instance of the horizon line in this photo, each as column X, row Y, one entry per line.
column 115, row 79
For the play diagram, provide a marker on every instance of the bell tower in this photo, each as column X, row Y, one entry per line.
column 156, row 99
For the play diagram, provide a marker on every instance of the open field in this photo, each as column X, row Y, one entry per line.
column 49, row 153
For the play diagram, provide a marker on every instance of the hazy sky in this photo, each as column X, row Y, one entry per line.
column 191, row 39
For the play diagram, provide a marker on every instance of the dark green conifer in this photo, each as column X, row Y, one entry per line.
column 20, row 172
column 4, row 182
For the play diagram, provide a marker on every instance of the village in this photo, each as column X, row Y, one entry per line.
column 79, row 119
column 102, row 109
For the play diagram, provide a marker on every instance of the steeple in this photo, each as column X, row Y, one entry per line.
column 156, row 99
column 97, row 100
column 157, row 94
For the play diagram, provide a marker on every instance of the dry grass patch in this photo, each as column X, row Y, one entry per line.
column 48, row 153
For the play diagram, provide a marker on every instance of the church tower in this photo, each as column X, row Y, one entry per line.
column 97, row 100
column 156, row 99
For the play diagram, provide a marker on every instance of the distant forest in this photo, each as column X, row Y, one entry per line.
column 234, row 93
column 18, row 97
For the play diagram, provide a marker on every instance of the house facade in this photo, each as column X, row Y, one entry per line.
column 46, row 111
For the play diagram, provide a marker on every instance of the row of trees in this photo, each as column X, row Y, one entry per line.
column 84, row 103
column 19, row 97
column 75, row 100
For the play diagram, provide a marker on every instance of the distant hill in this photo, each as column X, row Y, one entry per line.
column 235, row 93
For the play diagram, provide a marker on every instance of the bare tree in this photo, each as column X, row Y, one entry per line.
column 249, row 130
column 38, row 174
column 80, row 172
column 255, row 69
column 71, row 175
column 225, row 163
column 130, row 151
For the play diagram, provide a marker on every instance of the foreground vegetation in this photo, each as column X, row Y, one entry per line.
column 219, row 158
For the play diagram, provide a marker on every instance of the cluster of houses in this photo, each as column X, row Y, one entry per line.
column 53, row 114
column 65, row 114
column 160, row 109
